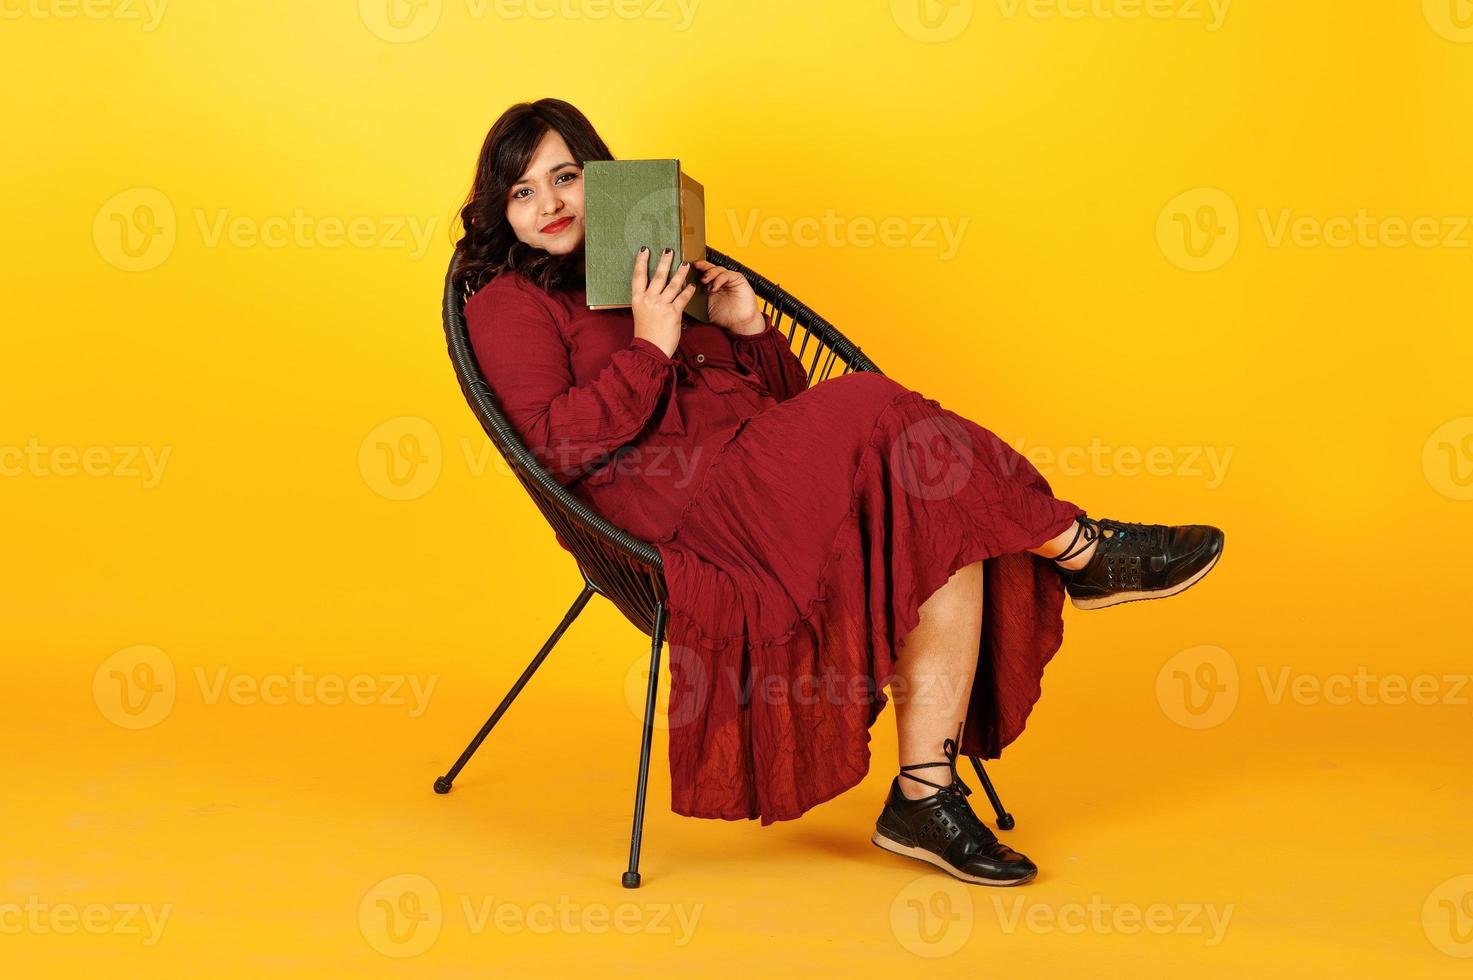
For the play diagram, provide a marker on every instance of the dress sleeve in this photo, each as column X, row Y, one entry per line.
column 570, row 428
column 769, row 355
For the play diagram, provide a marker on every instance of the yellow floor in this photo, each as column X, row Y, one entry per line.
column 303, row 838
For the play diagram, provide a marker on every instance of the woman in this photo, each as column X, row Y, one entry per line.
column 819, row 542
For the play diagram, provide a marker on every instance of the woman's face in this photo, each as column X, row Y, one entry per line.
column 545, row 207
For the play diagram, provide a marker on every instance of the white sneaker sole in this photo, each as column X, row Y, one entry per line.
column 921, row 854
column 1119, row 597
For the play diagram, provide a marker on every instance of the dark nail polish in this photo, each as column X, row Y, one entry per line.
column 668, row 251
column 643, row 249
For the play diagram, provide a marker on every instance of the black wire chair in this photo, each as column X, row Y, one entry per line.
column 615, row 564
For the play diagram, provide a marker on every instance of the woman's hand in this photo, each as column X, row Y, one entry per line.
column 658, row 303
column 730, row 302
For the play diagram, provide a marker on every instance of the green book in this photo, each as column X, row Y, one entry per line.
column 629, row 203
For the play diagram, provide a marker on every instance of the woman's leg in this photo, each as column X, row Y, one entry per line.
column 933, row 676
column 1055, row 546
column 935, row 669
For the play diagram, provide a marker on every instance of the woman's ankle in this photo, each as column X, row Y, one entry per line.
column 919, row 793
column 1080, row 559
column 1073, row 547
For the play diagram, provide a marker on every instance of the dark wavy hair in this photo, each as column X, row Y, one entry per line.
column 489, row 246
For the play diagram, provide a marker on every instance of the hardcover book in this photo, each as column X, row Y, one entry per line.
column 629, row 203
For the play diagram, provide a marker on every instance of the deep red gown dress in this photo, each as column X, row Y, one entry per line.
column 801, row 530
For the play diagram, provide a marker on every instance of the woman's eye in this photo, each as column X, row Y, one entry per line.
column 517, row 194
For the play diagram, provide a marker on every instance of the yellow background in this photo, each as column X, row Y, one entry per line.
column 1078, row 144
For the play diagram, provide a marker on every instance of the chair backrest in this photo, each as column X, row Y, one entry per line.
column 618, row 565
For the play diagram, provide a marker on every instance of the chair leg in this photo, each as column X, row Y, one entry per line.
column 442, row 785
column 1005, row 819
column 657, row 639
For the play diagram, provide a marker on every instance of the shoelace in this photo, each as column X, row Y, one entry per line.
column 955, row 793
column 1152, row 537
column 1087, row 526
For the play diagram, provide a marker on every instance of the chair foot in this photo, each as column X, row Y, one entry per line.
column 442, row 785
column 1005, row 819
column 631, row 879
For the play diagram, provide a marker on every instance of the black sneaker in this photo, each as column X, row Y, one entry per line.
column 941, row 829
column 1137, row 561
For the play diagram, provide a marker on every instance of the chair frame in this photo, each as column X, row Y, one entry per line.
column 615, row 564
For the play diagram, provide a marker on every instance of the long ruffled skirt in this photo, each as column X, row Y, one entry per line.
column 800, row 563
